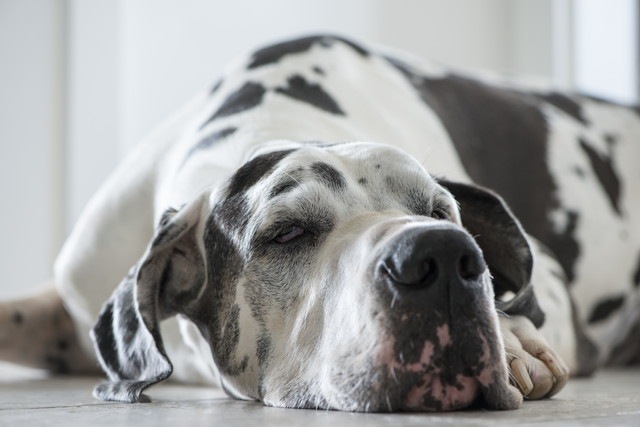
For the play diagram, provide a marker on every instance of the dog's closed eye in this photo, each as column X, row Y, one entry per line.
column 289, row 233
column 440, row 213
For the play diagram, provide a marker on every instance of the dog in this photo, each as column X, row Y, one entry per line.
column 344, row 227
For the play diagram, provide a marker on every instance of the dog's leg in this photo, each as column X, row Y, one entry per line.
column 562, row 329
column 37, row 332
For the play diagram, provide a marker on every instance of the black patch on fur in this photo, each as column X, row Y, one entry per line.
column 362, row 181
column 564, row 245
column 215, row 87
column 220, row 327
column 605, row 308
column 208, row 141
column 610, row 139
column 263, row 349
column 329, row 175
column 274, row 53
column 248, row 96
column 587, row 353
column 602, row 166
column 565, row 104
column 235, row 214
column 301, row 90
column 129, row 319
column 226, row 348
column 501, row 138
column 17, row 318
column 318, row 70
column 252, row 171
column 104, row 338
column 636, row 275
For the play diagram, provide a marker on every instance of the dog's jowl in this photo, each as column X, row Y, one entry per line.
column 330, row 227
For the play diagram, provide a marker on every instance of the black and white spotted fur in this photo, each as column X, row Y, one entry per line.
column 310, row 259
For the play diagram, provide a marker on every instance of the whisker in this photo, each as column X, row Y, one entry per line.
column 292, row 177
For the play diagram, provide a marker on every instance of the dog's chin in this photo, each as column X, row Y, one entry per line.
column 433, row 381
column 418, row 392
column 428, row 393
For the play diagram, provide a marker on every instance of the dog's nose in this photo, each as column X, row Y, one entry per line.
column 419, row 257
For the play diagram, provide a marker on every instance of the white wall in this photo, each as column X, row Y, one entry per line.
column 80, row 94
column 93, row 98
column 32, row 91
column 606, row 48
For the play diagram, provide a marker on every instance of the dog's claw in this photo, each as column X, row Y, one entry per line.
column 559, row 370
column 521, row 377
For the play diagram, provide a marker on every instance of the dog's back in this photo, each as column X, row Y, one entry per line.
column 566, row 164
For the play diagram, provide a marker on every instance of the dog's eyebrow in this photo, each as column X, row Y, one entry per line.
column 329, row 175
column 252, row 171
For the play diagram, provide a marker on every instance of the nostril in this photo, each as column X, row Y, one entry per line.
column 429, row 271
column 410, row 272
column 470, row 266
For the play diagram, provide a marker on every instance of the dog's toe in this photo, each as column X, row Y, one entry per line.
column 534, row 367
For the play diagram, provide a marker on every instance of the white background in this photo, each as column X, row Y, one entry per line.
column 82, row 80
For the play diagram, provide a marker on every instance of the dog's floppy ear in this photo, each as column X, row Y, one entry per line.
column 504, row 245
column 163, row 283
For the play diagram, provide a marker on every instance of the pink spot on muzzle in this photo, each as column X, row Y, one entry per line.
column 486, row 376
column 388, row 358
column 443, row 335
column 450, row 397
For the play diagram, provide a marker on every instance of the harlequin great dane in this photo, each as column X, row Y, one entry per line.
column 336, row 227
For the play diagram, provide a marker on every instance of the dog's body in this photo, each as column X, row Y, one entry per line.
column 290, row 252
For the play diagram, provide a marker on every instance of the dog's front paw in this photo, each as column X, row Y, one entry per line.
column 534, row 367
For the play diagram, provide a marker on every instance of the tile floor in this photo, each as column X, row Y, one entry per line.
column 611, row 398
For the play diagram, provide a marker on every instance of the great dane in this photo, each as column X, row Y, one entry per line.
column 336, row 226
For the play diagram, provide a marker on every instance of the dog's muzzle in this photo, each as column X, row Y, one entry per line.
column 439, row 345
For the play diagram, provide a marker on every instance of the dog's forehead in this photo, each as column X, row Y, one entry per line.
column 338, row 167
column 330, row 181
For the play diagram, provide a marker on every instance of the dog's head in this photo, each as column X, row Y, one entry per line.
column 340, row 276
